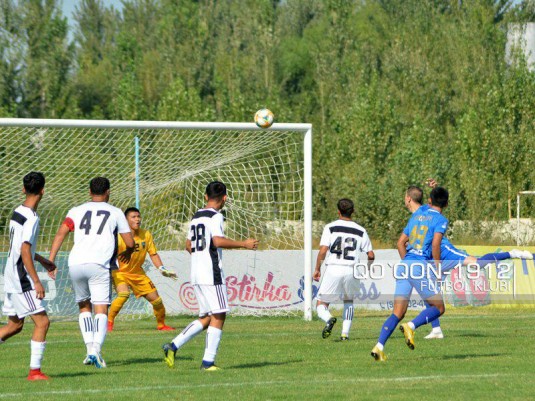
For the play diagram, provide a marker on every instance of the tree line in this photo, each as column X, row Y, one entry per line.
column 397, row 90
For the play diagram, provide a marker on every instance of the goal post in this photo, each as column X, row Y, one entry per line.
column 519, row 240
column 163, row 167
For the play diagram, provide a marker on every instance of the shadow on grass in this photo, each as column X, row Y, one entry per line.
column 467, row 356
column 474, row 335
column 148, row 360
column 75, row 374
column 262, row 364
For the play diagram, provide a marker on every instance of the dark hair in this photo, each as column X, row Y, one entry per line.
column 99, row 185
column 34, row 182
column 216, row 190
column 131, row 210
column 415, row 193
column 346, row 207
column 439, row 197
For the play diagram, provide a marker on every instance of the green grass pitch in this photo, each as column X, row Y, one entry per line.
column 487, row 354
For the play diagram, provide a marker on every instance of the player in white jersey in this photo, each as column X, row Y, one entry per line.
column 95, row 225
column 23, row 289
column 204, row 243
column 341, row 243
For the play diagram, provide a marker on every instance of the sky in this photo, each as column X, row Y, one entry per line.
column 69, row 5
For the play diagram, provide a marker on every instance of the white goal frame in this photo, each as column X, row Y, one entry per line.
column 305, row 129
column 518, row 213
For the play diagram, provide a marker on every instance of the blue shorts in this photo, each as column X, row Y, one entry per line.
column 451, row 257
column 417, row 278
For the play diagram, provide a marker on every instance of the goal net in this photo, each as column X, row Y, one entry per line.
column 163, row 168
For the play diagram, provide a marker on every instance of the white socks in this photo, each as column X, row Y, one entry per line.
column 93, row 330
column 380, row 346
column 437, row 330
column 348, row 318
column 411, row 325
column 323, row 313
column 100, row 330
column 213, row 337
column 86, row 327
column 37, row 350
column 188, row 333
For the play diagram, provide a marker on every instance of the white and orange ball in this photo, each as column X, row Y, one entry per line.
column 264, row 118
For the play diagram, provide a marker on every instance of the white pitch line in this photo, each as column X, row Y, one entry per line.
column 41, row 393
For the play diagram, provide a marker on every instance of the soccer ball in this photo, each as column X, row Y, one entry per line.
column 264, row 118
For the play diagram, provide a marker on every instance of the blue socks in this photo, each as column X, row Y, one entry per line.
column 436, row 322
column 492, row 258
column 426, row 316
column 389, row 326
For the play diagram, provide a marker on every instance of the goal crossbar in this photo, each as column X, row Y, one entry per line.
column 211, row 126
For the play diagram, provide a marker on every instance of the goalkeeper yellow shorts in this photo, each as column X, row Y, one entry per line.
column 140, row 284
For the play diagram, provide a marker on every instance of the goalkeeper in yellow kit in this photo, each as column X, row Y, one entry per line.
column 131, row 274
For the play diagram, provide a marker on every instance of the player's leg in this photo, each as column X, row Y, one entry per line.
column 191, row 330
column 100, row 288
column 330, row 288
column 484, row 260
column 401, row 301
column 123, row 293
column 216, row 296
column 82, row 295
column 86, row 324
column 348, row 319
column 400, row 308
column 213, row 338
column 436, row 331
column 158, row 309
column 38, row 344
column 351, row 290
column 13, row 327
column 27, row 304
column 429, row 292
column 14, row 324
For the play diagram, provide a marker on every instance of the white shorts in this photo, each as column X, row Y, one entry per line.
column 91, row 282
column 338, row 284
column 212, row 299
column 22, row 305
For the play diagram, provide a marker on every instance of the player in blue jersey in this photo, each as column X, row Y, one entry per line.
column 424, row 233
column 453, row 257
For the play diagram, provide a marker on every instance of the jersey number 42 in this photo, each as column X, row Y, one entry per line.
column 344, row 248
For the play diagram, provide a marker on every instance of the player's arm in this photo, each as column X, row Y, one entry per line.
column 227, row 243
column 371, row 258
column 63, row 230
column 126, row 234
column 435, row 247
column 188, row 246
column 402, row 245
column 26, row 255
column 47, row 264
column 157, row 262
column 431, row 183
column 319, row 260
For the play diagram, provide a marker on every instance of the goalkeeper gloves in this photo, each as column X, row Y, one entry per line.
column 167, row 273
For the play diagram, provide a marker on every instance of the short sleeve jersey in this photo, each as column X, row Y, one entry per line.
column 96, row 226
column 144, row 245
column 346, row 240
column 420, row 229
column 206, row 259
column 23, row 227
